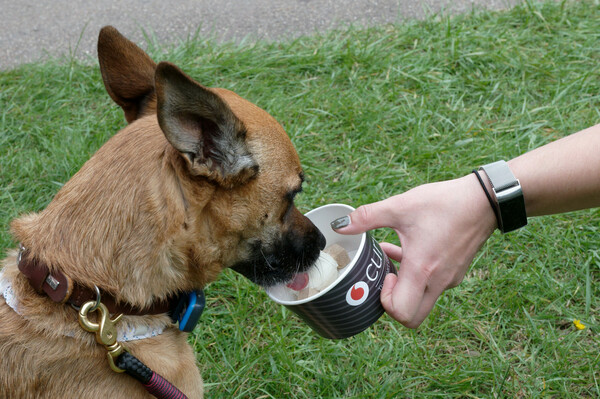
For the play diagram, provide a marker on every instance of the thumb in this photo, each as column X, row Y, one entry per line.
column 366, row 217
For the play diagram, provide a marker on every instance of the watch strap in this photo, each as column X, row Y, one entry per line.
column 508, row 196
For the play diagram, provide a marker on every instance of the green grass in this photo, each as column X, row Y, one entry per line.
column 374, row 112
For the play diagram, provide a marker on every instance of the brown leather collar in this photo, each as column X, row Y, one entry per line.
column 60, row 288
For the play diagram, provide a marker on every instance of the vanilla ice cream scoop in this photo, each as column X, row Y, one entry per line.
column 320, row 276
column 323, row 273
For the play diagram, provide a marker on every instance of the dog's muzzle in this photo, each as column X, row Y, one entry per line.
column 279, row 262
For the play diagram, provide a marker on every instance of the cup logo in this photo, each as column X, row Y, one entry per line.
column 357, row 294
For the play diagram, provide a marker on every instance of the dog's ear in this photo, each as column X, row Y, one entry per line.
column 203, row 128
column 128, row 74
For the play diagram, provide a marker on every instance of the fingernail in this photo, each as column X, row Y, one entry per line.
column 340, row 222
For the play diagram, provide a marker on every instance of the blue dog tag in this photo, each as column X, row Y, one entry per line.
column 188, row 310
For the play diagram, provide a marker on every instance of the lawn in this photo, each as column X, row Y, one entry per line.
column 374, row 112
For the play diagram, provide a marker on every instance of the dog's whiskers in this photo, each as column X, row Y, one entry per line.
column 266, row 260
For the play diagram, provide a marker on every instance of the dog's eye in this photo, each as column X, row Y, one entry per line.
column 290, row 195
column 289, row 199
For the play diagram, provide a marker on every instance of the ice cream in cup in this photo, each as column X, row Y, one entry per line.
column 339, row 296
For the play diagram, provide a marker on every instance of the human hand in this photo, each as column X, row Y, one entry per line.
column 441, row 226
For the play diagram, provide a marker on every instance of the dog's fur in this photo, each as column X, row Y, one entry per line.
column 200, row 180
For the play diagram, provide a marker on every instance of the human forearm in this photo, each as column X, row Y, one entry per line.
column 561, row 176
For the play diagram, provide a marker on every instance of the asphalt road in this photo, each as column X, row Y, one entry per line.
column 33, row 30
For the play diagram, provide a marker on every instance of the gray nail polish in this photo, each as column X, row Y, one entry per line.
column 340, row 222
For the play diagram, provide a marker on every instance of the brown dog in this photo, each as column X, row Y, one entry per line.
column 200, row 180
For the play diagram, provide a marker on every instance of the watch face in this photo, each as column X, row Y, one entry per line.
column 512, row 209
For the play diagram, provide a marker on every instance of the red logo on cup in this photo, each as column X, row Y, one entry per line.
column 357, row 294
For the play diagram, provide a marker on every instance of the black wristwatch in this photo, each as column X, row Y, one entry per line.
column 508, row 194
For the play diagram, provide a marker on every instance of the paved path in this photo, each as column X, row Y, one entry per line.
column 32, row 30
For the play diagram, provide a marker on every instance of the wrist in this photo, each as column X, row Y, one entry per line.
column 482, row 213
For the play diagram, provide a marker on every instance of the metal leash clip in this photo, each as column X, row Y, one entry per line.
column 20, row 254
column 105, row 330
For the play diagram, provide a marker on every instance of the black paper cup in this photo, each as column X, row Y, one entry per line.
column 351, row 303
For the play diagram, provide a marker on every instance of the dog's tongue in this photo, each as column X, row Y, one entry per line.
column 299, row 282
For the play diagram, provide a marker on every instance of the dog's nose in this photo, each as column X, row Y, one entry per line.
column 321, row 242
